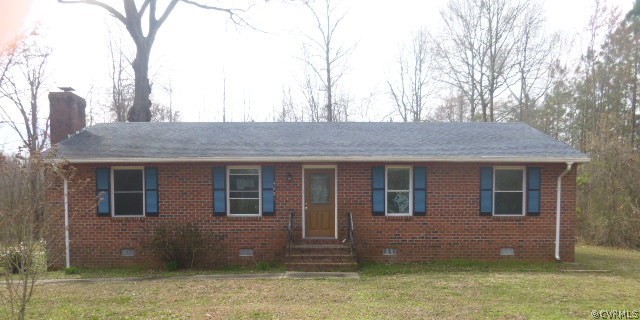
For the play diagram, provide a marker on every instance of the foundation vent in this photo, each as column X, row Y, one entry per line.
column 127, row 252
column 246, row 252
column 507, row 252
column 389, row 251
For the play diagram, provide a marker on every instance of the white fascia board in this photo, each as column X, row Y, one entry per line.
column 487, row 159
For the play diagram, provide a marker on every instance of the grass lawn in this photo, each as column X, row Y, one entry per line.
column 141, row 272
column 454, row 289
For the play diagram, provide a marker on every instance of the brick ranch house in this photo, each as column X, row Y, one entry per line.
column 410, row 191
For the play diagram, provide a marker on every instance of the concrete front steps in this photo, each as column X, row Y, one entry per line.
column 324, row 256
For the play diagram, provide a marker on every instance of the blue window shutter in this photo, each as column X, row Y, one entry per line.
column 486, row 191
column 152, row 199
column 533, row 191
column 103, row 191
column 268, row 188
column 419, row 191
column 219, row 191
column 378, row 196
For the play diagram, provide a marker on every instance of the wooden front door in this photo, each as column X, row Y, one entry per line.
column 320, row 210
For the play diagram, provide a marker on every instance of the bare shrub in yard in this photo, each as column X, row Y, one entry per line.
column 609, row 195
column 29, row 229
column 183, row 245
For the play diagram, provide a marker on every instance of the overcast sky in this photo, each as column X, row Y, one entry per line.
column 196, row 47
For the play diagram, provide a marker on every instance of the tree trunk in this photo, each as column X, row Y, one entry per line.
column 634, row 98
column 329, row 86
column 522, row 90
column 484, row 110
column 141, row 109
column 491, row 102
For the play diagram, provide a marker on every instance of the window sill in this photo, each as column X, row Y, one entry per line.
column 243, row 218
column 401, row 218
column 128, row 218
column 508, row 218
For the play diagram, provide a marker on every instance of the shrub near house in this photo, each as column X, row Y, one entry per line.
column 416, row 191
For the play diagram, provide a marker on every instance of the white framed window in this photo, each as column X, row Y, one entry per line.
column 398, row 190
column 508, row 191
column 244, row 194
column 127, row 193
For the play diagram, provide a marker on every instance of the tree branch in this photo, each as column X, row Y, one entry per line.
column 143, row 7
column 230, row 11
column 107, row 7
column 166, row 13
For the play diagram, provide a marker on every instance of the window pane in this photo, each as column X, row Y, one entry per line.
column 128, row 204
column 509, row 180
column 397, row 202
column 244, row 171
column 244, row 206
column 245, row 194
column 320, row 188
column 398, row 179
column 244, row 183
column 127, row 180
column 508, row 203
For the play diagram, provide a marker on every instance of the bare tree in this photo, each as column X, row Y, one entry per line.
column 362, row 109
column 287, row 110
column 133, row 18
column 246, row 111
column 311, row 94
column 171, row 114
column 30, row 243
column 459, row 51
column 478, row 52
column 452, row 109
column 122, row 84
column 535, row 55
column 224, row 96
column 342, row 106
column 163, row 113
column 24, row 77
column 502, row 20
column 122, row 89
column 411, row 88
column 324, row 54
column 6, row 60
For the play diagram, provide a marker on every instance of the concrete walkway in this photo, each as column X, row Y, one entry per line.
column 279, row 275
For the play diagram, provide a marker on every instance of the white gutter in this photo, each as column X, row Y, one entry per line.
column 558, row 205
column 237, row 159
column 67, row 245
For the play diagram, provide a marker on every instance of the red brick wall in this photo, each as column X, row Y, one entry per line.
column 452, row 227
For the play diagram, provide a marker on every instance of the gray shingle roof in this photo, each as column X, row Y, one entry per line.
column 365, row 141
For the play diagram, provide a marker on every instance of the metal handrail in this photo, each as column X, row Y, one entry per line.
column 290, row 232
column 350, row 233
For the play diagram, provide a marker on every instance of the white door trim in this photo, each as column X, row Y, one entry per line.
column 335, row 194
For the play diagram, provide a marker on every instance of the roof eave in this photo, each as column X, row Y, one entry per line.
column 491, row 159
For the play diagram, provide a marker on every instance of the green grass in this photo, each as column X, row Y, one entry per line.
column 620, row 261
column 439, row 290
column 146, row 272
column 377, row 269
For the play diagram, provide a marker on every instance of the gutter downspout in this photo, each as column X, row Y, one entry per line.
column 67, row 245
column 558, row 205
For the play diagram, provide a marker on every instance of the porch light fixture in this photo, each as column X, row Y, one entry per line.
column 289, row 176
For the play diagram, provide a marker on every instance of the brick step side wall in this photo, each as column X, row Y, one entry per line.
column 320, row 258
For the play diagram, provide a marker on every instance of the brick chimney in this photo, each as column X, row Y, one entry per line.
column 66, row 114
